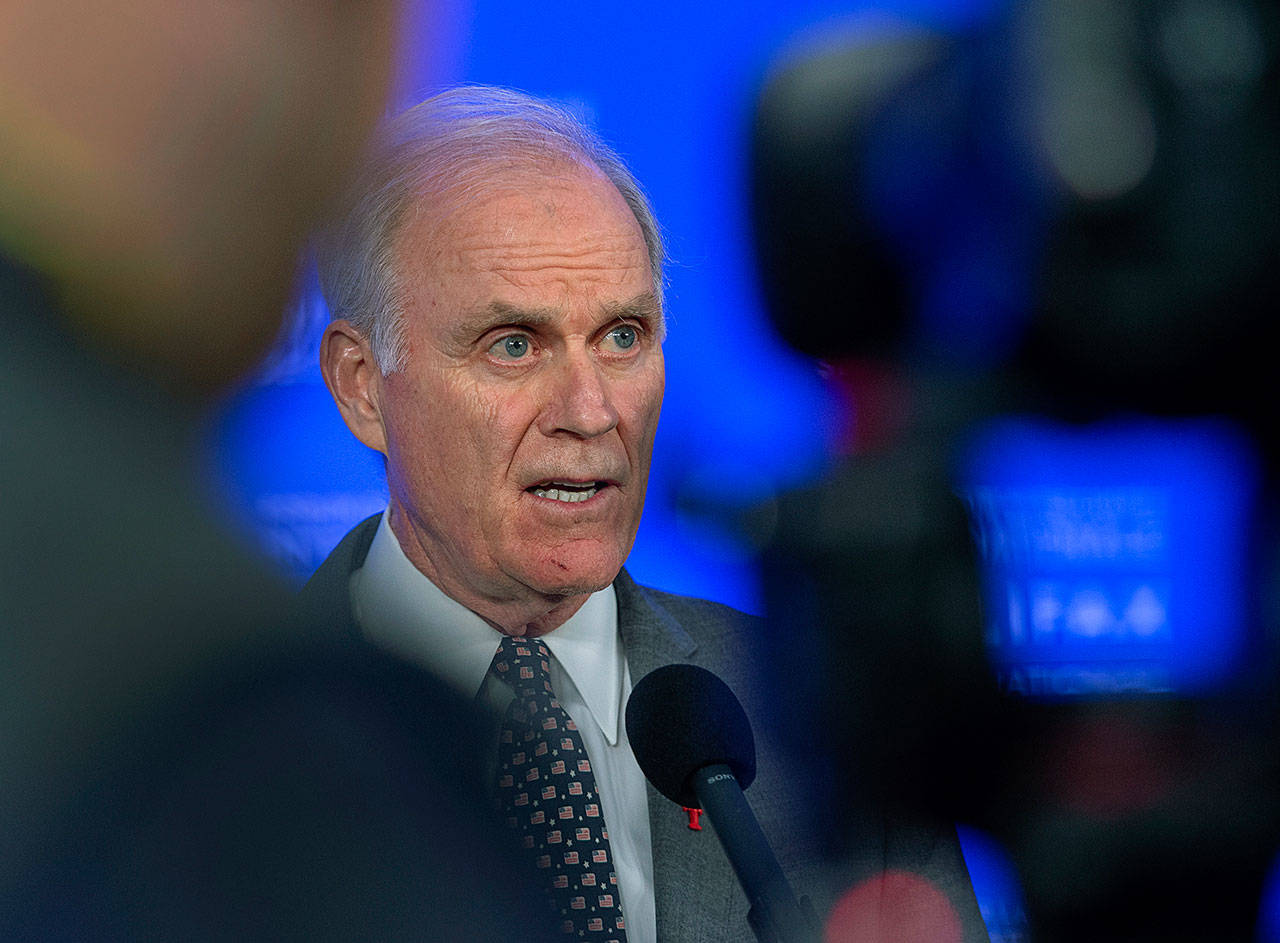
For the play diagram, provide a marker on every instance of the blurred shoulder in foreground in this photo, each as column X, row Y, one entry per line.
column 179, row 760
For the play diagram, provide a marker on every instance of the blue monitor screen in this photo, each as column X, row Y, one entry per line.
column 1116, row 557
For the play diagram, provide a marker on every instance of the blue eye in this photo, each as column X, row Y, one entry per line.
column 513, row 347
column 624, row 336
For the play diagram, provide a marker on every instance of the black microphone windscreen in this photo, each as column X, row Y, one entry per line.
column 681, row 718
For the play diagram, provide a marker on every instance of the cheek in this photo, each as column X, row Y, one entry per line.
column 482, row 415
column 473, row 401
column 494, row 422
column 436, row 431
column 642, row 404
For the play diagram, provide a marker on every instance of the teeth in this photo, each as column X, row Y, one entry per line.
column 570, row 494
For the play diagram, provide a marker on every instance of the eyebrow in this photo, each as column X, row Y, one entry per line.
column 643, row 308
column 497, row 314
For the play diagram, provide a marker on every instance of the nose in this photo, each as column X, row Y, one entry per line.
column 580, row 401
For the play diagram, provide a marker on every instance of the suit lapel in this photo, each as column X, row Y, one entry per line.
column 695, row 891
column 326, row 599
column 650, row 635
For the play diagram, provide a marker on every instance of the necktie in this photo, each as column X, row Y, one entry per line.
column 548, row 796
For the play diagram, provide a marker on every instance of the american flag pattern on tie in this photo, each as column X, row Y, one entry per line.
column 548, row 796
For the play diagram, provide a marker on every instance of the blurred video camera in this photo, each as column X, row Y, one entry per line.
column 1038, row 594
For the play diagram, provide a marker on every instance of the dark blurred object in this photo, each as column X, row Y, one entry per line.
column 1157, row 123
column 816, row 238
column 894, row 214
column 1072, row 212
column 871, row 600
column 180, row 759
column 1101, row 175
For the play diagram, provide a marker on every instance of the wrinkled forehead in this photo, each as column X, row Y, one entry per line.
column 527, row 214
column 510, row 231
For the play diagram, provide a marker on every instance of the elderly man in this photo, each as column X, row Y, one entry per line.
column 496, row 289
column 497, row 295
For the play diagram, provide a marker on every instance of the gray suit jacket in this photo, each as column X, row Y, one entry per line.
column 697, row 895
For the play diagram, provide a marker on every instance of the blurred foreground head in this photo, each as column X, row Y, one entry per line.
column 163, row 162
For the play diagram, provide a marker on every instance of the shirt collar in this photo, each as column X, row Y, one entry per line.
column 400, row 609
column 590, row 653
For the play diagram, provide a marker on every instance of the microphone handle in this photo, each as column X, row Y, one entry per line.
column 775, row 915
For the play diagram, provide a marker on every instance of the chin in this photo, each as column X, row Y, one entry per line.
column 572, row 574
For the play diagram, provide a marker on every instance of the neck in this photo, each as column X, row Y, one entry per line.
column 519, row 611
column 540, row 625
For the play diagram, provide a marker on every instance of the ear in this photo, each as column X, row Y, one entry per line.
column 354, row 381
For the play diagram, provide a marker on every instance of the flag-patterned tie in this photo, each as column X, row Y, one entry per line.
column 548, row 795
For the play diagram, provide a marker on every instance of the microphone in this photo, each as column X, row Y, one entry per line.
column 693, row 741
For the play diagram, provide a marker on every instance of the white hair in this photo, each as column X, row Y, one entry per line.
column 449, row 143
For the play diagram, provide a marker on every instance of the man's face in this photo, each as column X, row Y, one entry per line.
column 520, row 432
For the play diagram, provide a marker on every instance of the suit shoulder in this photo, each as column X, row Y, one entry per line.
column 700, row 616
column 699, row 631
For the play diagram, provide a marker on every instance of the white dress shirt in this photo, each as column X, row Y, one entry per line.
column 398, row 608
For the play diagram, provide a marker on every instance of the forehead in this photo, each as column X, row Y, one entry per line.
column 523, row 227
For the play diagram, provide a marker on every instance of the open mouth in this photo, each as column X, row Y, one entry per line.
column 568, row 492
